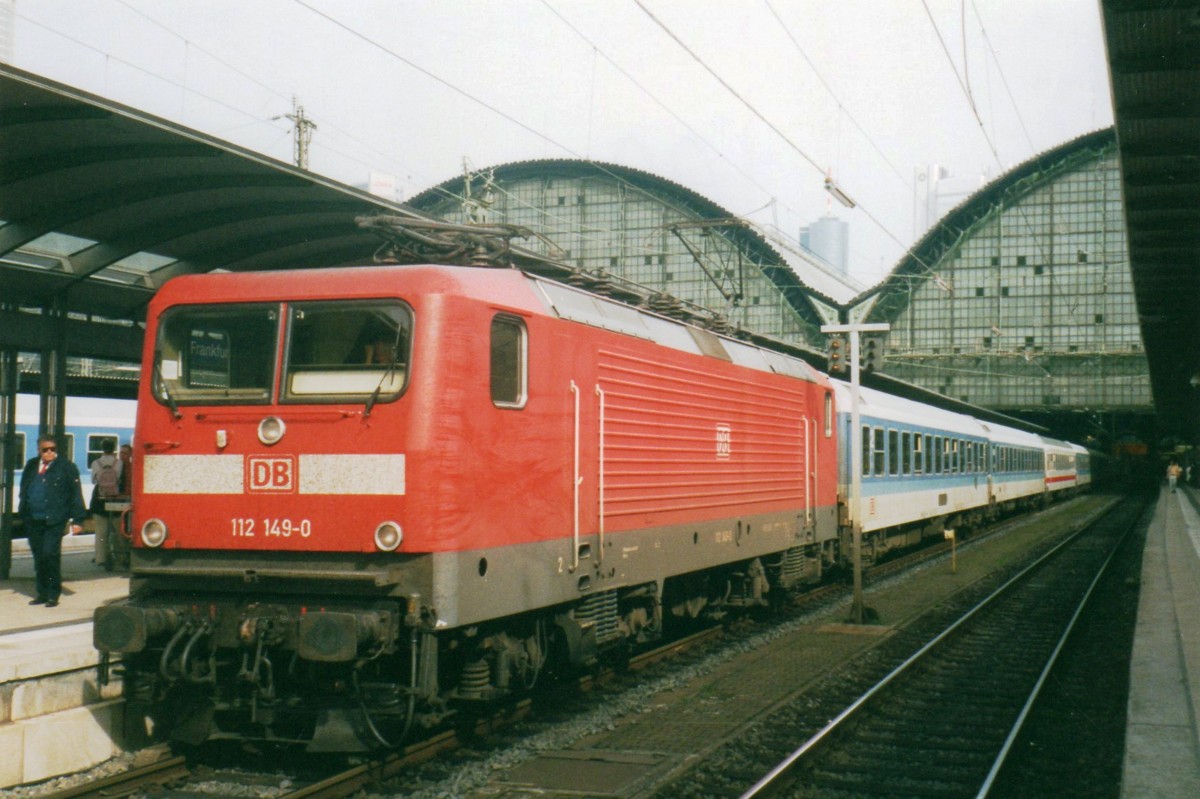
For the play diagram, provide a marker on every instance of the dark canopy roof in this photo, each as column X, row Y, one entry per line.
column 122, row 184
column 1154, row 63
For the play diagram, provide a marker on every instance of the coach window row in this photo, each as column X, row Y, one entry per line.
column 16, row 453
column 1059, row 462
column 1016, row 459
column 66, row 442
column 891, row 453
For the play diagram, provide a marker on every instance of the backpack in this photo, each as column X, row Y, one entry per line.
column 107, row 481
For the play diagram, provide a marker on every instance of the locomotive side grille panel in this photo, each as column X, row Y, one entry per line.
column 600, row 612
column 793, row 566
column 686, row 439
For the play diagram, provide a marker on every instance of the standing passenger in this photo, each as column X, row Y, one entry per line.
column 121, row 539
column 126, row 470
column 106, row 482
column 1173, row 472
column 51, row 498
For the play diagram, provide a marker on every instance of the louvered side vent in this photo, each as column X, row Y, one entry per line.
column 792, row 566
column 600, row 610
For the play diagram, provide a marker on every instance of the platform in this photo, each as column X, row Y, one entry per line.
column 85, row 585
column 55, row 718
column 1162, row 743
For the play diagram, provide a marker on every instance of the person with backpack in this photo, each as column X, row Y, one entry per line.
column 106, row 482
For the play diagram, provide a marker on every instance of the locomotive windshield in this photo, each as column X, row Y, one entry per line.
column 347, row 350
column 216, row 354
column 335, row 352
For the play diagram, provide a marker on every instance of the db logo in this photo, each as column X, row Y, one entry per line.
column 724, row 441
column 270, row 474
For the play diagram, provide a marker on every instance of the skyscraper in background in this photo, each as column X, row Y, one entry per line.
column 936, row 192
column 829, row 239
column 8, row 23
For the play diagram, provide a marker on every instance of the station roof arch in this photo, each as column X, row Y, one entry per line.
column 795, row 274
column 957, row 225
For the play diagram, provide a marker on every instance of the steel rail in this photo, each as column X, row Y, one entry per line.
column 768, row 782
column 1002, row 756
column 160, row 772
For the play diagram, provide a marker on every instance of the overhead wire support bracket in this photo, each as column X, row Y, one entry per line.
column 733, row 296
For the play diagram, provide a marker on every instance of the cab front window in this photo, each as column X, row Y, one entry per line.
column 216, row 354
column 347, row 351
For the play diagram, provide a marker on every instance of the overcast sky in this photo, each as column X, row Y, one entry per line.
column 748, row 102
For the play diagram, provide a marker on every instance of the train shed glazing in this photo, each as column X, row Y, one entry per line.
column 1021, row 299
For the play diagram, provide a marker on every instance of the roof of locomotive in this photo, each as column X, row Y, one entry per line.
column 506, row 287
column 578, row 305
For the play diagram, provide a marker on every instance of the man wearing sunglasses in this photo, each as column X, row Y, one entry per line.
column 51, row 499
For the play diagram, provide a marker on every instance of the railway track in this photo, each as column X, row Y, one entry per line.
column 173, row 775
column 943, row 723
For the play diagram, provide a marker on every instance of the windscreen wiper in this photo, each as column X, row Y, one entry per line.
column 391, row 370
column 164, row 391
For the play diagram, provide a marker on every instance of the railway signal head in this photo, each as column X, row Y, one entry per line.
column 837, row 353
column 872, row 353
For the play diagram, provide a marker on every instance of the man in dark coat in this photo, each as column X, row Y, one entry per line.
column 51, row 497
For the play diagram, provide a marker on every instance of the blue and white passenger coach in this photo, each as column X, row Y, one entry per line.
column 925, row 469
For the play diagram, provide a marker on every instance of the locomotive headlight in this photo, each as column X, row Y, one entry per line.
column 154, row 532
column 388, row 536
column 270, row 430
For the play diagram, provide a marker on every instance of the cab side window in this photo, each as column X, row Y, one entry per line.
column 509, row 371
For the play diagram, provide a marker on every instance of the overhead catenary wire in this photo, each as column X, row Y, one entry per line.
column 828, row 88
column 1047, row 257
column 909, row 251
column 324, row 145
column 961, row 83
column 716, row 76
column 513, row 117
column 490, row 107
column 1003, row 79
column 467, row 95
column 330, row 126
column 660, row 103
column 276, row 92
column 208, row 53
column 144, row 71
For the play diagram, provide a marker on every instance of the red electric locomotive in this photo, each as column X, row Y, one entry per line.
column 369, row 497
